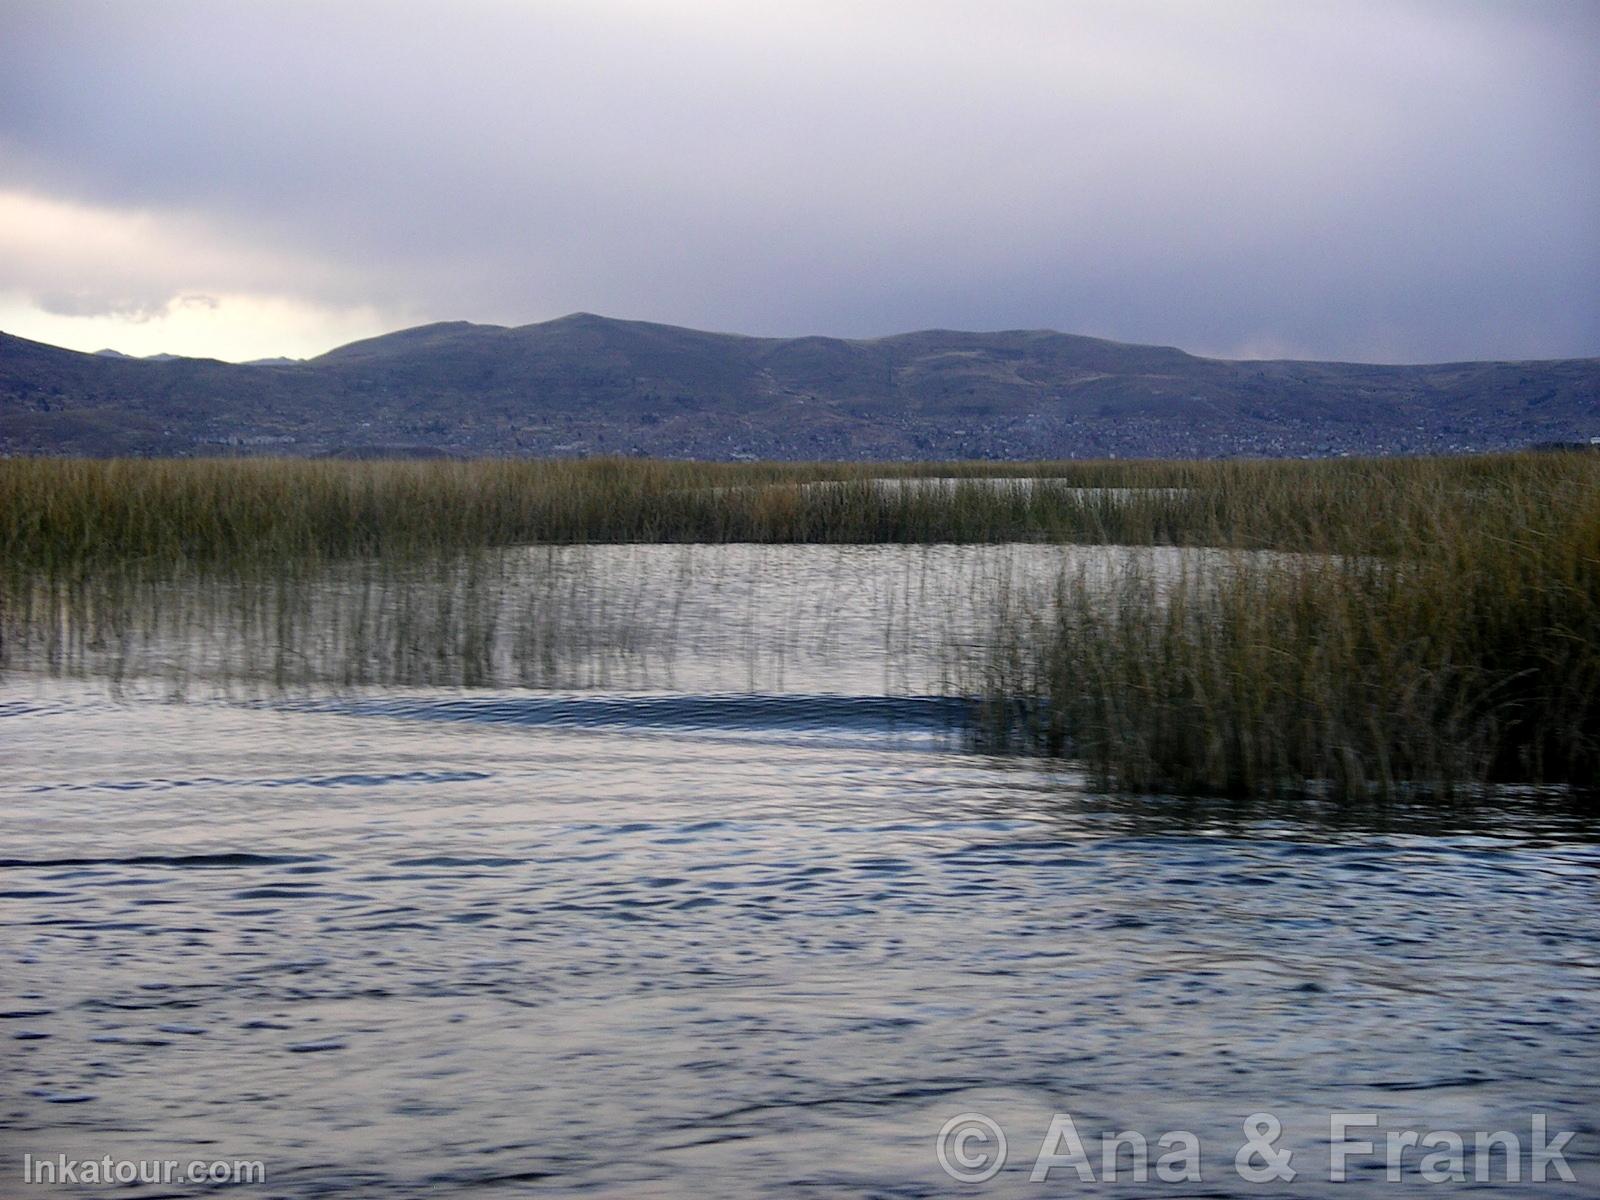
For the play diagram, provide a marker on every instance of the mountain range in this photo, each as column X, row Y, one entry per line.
column 585, row 384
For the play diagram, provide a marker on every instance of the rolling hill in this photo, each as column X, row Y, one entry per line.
column 592, row 385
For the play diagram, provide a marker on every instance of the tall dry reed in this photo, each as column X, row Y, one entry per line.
column 1442, row 634
column 1423, row 624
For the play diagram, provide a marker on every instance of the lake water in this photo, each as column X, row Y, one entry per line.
column 727, row 907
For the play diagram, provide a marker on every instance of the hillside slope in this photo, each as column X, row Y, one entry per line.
column 585, row 384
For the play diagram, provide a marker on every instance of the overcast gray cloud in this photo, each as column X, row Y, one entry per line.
column 1400, row 179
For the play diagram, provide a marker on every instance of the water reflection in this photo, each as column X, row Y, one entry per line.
column 866, row 620
column 756, row 925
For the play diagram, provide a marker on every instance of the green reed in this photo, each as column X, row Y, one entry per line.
column 68, row 514
column 64, row 514
column 1444, row 635
column 1426, row 624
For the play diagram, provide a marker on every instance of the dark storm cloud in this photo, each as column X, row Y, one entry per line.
column 1395, row 180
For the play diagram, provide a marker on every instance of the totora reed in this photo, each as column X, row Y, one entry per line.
column 1368, row 627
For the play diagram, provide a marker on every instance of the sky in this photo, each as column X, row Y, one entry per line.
column 1393, row 180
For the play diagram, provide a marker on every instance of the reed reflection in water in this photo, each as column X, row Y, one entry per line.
column 859, row 619
column 655, row 870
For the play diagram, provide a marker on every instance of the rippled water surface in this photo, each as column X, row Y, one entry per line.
column 716, row 920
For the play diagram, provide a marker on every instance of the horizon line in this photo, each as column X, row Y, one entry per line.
column 114, row 354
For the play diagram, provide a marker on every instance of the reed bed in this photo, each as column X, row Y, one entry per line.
column 64, row 514
column 72, row 514
column 1423, row 625
column 1445, row 638
column 476, row 620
